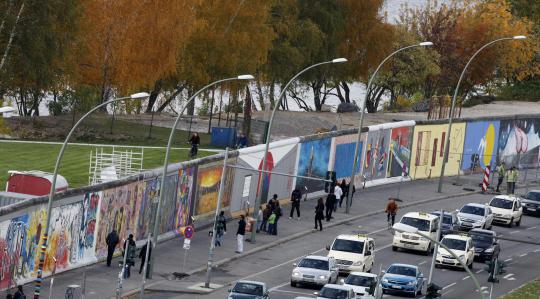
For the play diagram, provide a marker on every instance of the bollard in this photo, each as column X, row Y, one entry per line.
column 485, row 181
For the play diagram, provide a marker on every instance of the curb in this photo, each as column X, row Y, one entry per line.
column 296, row 235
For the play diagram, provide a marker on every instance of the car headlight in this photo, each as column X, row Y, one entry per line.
column 296, row 273
column 489, row 250
column 322, row 276
column 358, row 263
column 385, row 280
column 462, row 257
column 412, row 283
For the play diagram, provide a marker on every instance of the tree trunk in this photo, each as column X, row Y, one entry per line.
column 317, row 100
column 246, row 127
column 271, row 94
column 179, row 89
column 11, row 36
column 154, row 95
column 191, row 106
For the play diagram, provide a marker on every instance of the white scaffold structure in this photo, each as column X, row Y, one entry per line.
column 107, row 166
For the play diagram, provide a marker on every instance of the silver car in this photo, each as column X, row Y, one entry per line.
column 317, row 270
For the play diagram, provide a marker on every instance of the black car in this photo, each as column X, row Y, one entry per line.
column 531, row 202
column 485, row 243
column 449, row 222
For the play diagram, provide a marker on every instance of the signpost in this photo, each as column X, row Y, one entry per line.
column 188, row 234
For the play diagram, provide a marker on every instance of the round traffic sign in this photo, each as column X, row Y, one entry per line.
column 188, row 232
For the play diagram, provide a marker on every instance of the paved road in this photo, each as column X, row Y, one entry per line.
column 274, row 266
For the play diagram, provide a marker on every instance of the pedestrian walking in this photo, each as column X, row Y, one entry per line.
column 142, row 257
column 319, row 213
column 511, row 179
column 391, row 211
column 266, row 214
column 272, row 223
column 296, row 196
column 221, row 228
column 278, row 212
column 112, row 240
column 20, row 293
column 330, row 203
column 130, row 247
column 501, row 172
column 240, row 234
column 339, row 195
column 344, row 188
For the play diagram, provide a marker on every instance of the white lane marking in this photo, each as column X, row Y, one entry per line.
column 537, row 250
column 522, row 255
column 479, row 271
column 446, row 293
column 507, row 260
column 509, row 277
column 450, row 285
column 292, row 292
column 465, row 278
column 531, row 227
column 278, row 286
column 514, row 232
column 378, row 231
column 421, row 263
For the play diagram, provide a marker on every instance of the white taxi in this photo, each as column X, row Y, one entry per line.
column 506, row 209
column 353, row 253
column 424, row 222
column 460, row 245
column 364, row 285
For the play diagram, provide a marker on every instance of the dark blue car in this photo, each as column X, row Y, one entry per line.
column 403, row 279
column 449, row 223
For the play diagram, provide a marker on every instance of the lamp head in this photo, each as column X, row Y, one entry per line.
column 519, row 37
column 139, row 95
column 339, row 60
column 245, row 77
column 400, row 227
column 426, row 44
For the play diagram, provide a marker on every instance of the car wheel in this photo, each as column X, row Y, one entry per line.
column 293, row 284
column 518, row 223
column 428, row 250
column 511, row 222
column 394, row 248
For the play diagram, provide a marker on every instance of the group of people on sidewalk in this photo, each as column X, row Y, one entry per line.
column 129, row 252
column 334, row 199
column 511, row 178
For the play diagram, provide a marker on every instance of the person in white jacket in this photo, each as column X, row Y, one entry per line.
column 339, row 196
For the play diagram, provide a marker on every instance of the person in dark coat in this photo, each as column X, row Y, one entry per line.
column 20, row 293
column 277, row 211
column 142, row 256
column 296, row 195
column 319, row 213
column 240, row 235
column 330, row 203
column 131, row 248
column 112, row 241
column 266, row 213
column 221, row 227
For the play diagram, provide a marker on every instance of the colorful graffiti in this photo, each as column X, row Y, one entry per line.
column 376, row 158
column 88, row 223
column 480, row 147
column 313, row 161
column 169, row 204
column 208, row 181
column 184, row 203
column 519, row 142
column 147, row 208
column 64, row 237
column 400, row 153
column 344, row 156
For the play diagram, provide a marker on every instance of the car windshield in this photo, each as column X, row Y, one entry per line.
column 348, row 246
column 502, row 203
column 333, row 293
column 313, row 263
column 358, row 280
column 532, row 195
column 420, row 224
column 481, row 238
column 402, row 270
column 472, row 210
column 248, row 288
column 454, row 243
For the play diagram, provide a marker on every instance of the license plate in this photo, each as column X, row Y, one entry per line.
column 448, row 261
column 407, row 245
column 396, row 287
column 531, row 209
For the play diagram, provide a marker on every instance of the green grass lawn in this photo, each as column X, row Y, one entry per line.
column 75, row 163
column 529, row 291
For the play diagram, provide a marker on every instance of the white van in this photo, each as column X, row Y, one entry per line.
column 506, row 209
column 353, row 253
column 424, row 222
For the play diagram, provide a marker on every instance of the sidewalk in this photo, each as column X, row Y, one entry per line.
column 101, row 281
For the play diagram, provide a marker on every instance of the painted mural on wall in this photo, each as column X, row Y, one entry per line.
column 169, row 205
column 114, row 214
column 428, row 150
column 208, row 180
column 313, row 161
column 64, row 238
column 184, row 203
column 480, row 147
column 343, row 157
column 399, row 152
column 147, row 208
column 519, row 142
column 376, row 156
column 88, row 226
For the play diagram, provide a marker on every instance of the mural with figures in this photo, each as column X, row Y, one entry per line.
column 313, row 161
column 82, row 218
column 480, row 147
column 376, row 156
column 399, row 154
column 519, row 142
